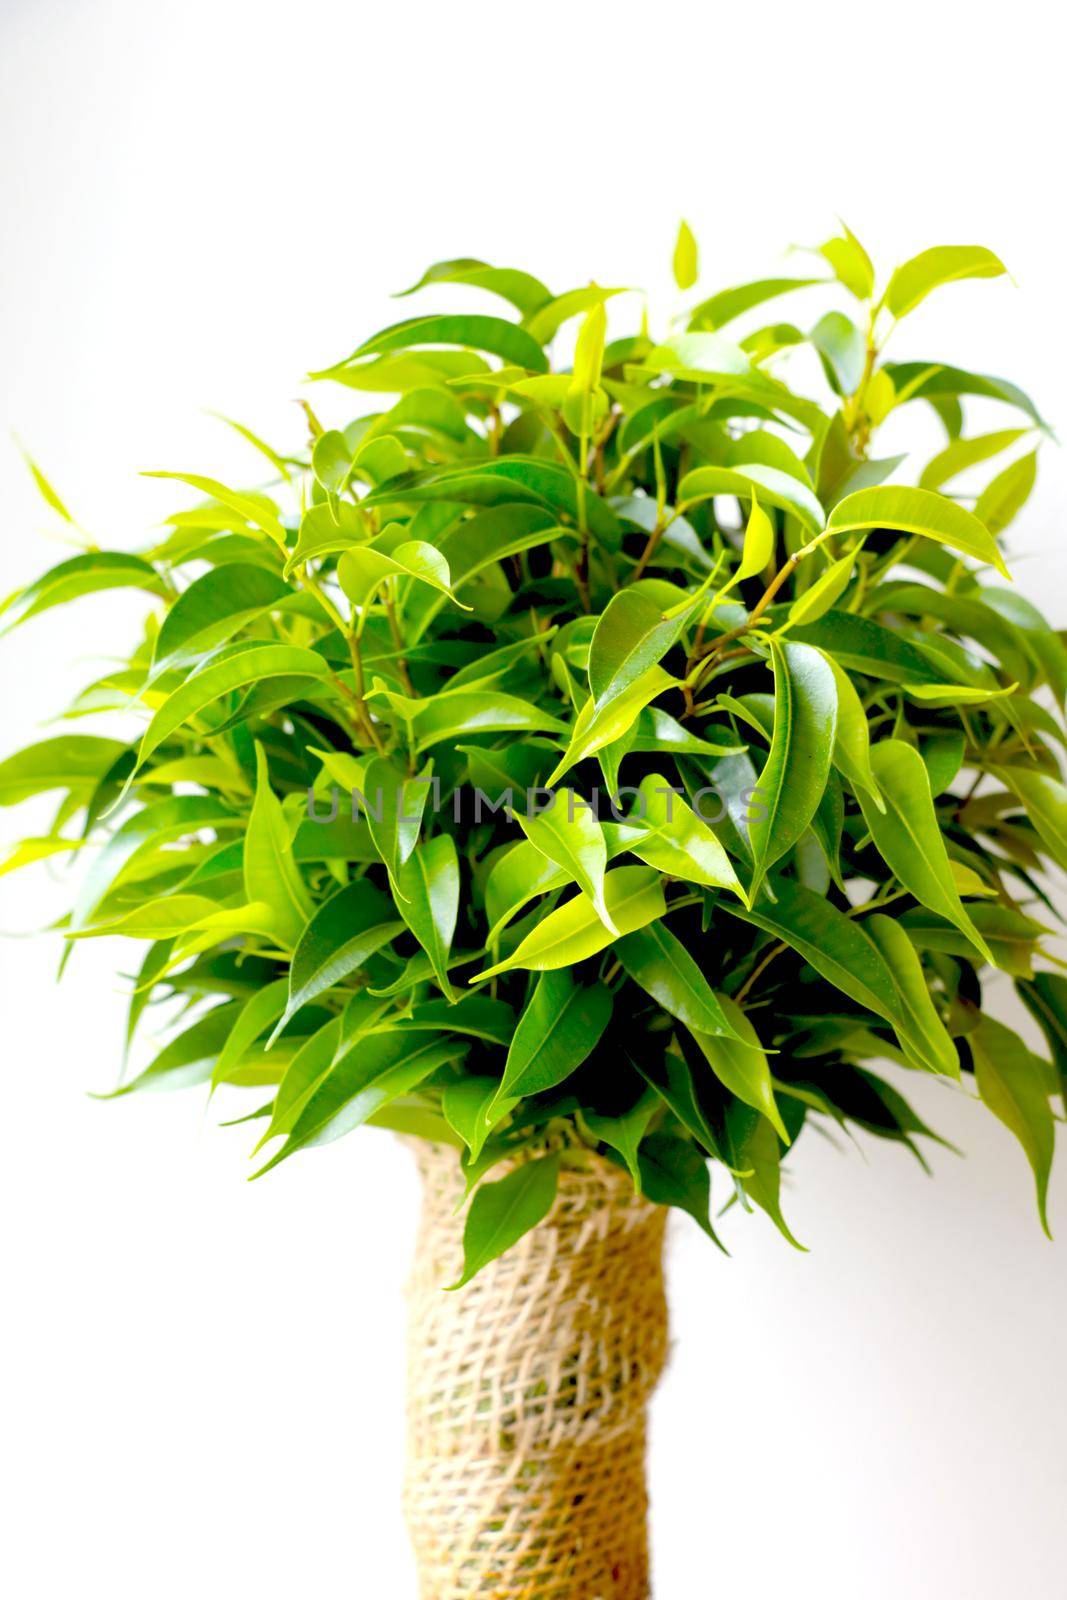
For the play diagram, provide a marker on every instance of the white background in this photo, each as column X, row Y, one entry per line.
column 203, row 1379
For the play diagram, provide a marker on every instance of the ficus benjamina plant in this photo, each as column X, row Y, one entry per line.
column 598, row 748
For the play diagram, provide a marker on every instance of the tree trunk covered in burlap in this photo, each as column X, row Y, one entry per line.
column 527, row 1393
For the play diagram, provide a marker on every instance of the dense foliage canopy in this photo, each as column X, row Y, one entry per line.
column 594, row 746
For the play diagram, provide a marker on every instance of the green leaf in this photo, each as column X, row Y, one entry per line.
column 674, row 1173
column 428, row 890
column 362, row 570
column 758, row 1151
column 842, row 348
column 759, row 543
column 928, row 380
column 524, row 291
column 257, row 1014
column 365, row 1078
column 569, row 835
column 73, row 761
column 81, row 575
column 218, row 677
column 256, row 509
column 467, row 711
column 1001, row 501
column 721, row 308
column 746, row 478
column 632, row 634
column 395, row 805
column 624, row 1132
column 850, row 263
column 852, row 738
column 798, row 764
column 1012, row 1082
column 739, row 1061
column 337, row 941
column 561, row 1025
column 907, row 836
column 501, row 1213
column 911, row 283
column 594, row 729
column 574, row 931
column 824, row 593
column 685, row 263
column 213, row 608
column 270, row 872
column 960, row 454
column 917, row 511
column 658, row 961
column 1045, row 800
column 676, row 840
column 505, row 480
column 493, row 335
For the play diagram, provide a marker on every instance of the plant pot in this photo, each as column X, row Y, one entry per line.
column 527, row 1395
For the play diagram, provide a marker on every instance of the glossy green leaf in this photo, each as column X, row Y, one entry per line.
column 907, row 835
column 428, row 899
column 270, row 872
column 575, row 931
column 798, row 763
column 502, row 1212
column 660, row 963
column 919, row 512
column 569, row 835
column 337, row 940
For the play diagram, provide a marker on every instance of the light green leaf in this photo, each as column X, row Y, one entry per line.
column 917, row 511
column 73, row 761
column 1001, row 501
column 1045, row 800
column 907, row 835
column 739, row 1061
column 774, row 485
column 568, row 834
column 824, row 593
column 912, row 282
column 960, row 454
column 685, row 264
column 1012, row 1082
column 574, row 931
column 674, row 839
column 256, row 509
column 759, row 543
column 428, row 900
column 594, row 729
column 362, row 570
column 850, row 262
column 270, row 872
column 80, row 575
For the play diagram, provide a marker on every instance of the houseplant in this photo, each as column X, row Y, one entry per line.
column 591, row 763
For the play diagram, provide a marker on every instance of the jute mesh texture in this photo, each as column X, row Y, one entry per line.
column 527, row 1394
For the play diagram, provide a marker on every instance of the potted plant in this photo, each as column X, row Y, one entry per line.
column 593, row 763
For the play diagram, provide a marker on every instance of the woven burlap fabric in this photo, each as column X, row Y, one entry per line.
column 527, row 1392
